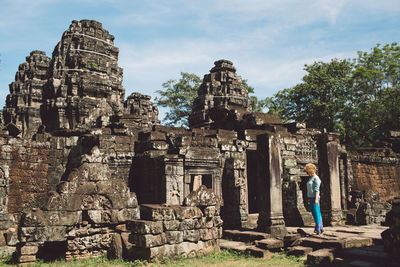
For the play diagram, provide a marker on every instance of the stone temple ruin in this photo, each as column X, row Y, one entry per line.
column 84, row 171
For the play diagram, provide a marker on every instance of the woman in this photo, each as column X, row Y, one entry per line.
column 314, row 196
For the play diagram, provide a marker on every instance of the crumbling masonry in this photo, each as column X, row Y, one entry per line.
column 85, row 172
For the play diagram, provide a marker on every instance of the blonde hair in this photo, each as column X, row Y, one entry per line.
column 310, row 167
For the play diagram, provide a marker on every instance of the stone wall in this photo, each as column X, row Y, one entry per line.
column 27, row 162
column 374, row 179
column 378, row 171
column 168, row 231
column 81, row 215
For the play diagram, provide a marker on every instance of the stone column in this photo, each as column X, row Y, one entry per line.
column 173, row 180
column 330, row 181
column 271, row 212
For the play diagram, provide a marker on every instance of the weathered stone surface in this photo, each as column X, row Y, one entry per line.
column 23, row 103
column 259, row 252
column 299, row 251
column 202, row 197
column 148, row 241
column 191, row 235
column 320, row 257
column 185, row 249
column 86, row 62
column 11, row 238
column 43, row 234
column 174, row 237
column 244, row 236
column 139, row 112
column 26, row 258
column 270, row 244
column 171, row 225
column 116, row 250
column 29, row 250
column 222, row 98
column 156, row 212
column 391, row 236
column 182, row 213
column 145, row 227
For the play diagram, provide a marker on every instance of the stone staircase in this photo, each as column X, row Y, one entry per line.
column 254, row 243
column 340, row 246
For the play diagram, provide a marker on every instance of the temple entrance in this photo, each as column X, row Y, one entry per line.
column 252, row 181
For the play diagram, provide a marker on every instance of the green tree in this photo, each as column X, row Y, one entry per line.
column 375, row 96
column 257, row 105
column 358, row 98
column 178, row 96
column 319, row 99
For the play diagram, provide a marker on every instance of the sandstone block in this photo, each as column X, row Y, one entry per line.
column 115, row 251
column 172, row 225
column 299, row 251
column 183, row 213
column 156, row 212
column 270, row 244
column 29, row 250
column 145, row 227
column 148, row 241
column 174, row 237
column 259, row 252
column 26, row 258
column 191, row 235
column 187, row 224
column 320, row 257
column 206, row 234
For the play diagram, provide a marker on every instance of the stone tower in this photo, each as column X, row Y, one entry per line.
column 84, row 87
column 222, row 98
column 23, row 103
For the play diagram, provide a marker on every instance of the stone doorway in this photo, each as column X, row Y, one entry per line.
column 252, row 181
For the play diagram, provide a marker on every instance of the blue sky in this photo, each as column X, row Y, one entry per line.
column 268, row 41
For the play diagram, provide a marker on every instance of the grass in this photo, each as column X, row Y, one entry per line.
column 225, row 258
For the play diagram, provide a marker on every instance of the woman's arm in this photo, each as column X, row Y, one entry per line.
column 316, row 197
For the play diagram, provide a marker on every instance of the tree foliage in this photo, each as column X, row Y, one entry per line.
column 178, row 96
column 358, row 98
column 257, row 105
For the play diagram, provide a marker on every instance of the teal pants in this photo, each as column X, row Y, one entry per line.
column 316, row 213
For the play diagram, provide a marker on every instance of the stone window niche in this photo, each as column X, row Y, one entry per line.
column 194, row 178
column 198, row 180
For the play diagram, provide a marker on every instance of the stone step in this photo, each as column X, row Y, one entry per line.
column 291, row 239
column 299, row 251
column 321, row 242
column 233, row 245
column 321, row 257
column 271, row 244
column 259, row 252
column 375, row 254
column 244, row 236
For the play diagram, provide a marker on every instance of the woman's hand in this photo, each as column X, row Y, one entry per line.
column 316, row 201
column 316, row 197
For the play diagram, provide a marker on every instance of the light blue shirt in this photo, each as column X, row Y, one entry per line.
column 313, row 186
